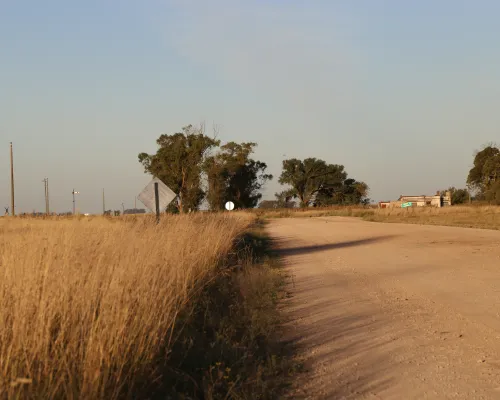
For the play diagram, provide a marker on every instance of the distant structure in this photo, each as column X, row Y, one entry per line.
column 268, row 204
column 134, row 211
column 438, row 200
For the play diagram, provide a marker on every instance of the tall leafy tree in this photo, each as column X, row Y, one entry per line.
column 310, row 176
column 348, row 192
column 217, row 176
column 234, row 176
column 493, row 193
column 486, row 171
column 178, row 163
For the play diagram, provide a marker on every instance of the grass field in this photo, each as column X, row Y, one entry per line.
column 102, row 308
column 485, row 217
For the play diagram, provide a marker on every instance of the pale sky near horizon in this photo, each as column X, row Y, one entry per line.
column 400, row 93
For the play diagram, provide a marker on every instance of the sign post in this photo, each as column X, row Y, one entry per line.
column 405, row 205
column 157, row 203
column 156, row 196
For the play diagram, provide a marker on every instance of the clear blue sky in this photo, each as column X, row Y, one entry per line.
column 401, row 93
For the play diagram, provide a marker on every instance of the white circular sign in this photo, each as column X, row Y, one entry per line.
column 229, row 206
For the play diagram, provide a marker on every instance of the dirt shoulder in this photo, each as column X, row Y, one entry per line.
column 392, row 311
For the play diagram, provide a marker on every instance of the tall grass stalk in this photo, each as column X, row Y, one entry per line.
column 87, row 306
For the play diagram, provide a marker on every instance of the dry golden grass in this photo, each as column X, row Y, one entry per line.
column 485, row 217
column 315, row 212
column 87, row 306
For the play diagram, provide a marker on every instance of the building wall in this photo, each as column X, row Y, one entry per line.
column 418, row 201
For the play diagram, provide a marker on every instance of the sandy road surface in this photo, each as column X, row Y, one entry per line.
column 392, row 311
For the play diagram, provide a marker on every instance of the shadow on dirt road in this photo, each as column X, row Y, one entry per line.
column 282, row 249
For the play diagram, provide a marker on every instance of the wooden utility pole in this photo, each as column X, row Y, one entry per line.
column 74, row 201
column 12, row 201
column 48, row 201
column 103, row 204
column 46, row 182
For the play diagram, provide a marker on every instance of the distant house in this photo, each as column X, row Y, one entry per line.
column 384, row 204
column 438, row 200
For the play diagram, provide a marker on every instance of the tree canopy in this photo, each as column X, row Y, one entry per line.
column 458, row 196
column 348, row 192
column 493, row 193
column 485, row 174
column 178, row 163
column 233, row 175
column 313, row 181
column 184, row 159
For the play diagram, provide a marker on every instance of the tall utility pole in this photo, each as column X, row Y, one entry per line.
column 47, row 210
column 12, row 202
column 74, row 201
column 103, row 204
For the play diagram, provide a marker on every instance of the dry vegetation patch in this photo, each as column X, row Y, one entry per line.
column 91, row 308
column 484, row 216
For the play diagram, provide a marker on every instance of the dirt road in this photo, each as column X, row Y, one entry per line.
column 392, row 311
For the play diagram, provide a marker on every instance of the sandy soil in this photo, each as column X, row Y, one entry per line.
column 392, row 311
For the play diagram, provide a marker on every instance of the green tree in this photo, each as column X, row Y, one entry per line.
column 493, row 193
column 309, row 176
column 233, row 175
column 284, row 198
column 217, row 176
column 347, row 192
column 458, row 196
column 178, row 163
column 485, row 172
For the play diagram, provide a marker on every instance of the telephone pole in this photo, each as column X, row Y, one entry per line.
column 12, row 202
column 47, row 210
column 103, row 204
column 74, row 201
